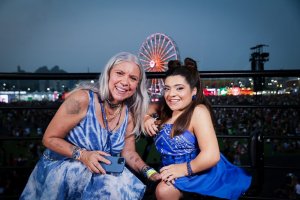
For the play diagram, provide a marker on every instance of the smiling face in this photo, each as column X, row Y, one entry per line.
column 123, row 81
column 178, row 93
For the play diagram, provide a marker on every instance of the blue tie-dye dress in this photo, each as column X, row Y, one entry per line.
column 59, row 177
column 224, row 180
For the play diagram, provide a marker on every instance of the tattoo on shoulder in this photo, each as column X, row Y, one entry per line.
column 73, row 106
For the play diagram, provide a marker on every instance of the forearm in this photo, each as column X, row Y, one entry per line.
column 59, row 145
column 133, row 160
column 204, row 161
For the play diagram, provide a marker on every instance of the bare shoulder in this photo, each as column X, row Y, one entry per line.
column 200, row 110
column 200, row 115
column 77, row 102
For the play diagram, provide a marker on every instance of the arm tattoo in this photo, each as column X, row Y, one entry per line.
column 131, row 157
column 73, row 106
column 54, row 143
column 136, row 158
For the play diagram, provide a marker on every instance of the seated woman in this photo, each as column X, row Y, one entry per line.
column 187, row 142
column 95, row 121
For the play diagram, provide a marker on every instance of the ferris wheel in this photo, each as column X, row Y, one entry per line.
column 155, row 53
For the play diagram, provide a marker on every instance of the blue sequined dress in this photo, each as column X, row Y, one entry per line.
column 58, row 177
column 224, row 180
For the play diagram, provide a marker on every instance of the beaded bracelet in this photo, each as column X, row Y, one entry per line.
column 76, row 153
column 189, row 168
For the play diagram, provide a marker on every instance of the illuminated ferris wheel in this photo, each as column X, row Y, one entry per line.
column 155, row 53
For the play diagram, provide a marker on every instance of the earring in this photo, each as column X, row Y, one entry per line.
column 193, row 97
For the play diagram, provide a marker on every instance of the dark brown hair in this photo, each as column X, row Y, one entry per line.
column 189, row 72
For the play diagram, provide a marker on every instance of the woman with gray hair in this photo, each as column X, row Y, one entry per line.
column 95, row 126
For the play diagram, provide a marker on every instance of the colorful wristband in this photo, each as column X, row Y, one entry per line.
column 148, row 171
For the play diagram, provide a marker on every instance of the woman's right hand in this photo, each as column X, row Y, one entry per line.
column 150, row 125
column 92, row 160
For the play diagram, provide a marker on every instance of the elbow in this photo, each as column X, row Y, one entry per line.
column 46, row 142
column 216, row 158
column 212, row 159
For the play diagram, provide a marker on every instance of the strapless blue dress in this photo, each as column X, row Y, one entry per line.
column 224, row 180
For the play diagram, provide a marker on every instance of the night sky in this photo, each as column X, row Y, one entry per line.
column 81, row 35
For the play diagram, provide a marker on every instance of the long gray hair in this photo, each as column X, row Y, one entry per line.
column 138, row 103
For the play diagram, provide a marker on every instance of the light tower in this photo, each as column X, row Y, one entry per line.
column 257, row 58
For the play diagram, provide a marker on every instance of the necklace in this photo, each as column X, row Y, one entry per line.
column 112, row 105
column 111, row 130
column 118, row 111
column 114, row 115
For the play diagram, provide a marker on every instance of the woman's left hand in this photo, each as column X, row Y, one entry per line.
column 171, row 172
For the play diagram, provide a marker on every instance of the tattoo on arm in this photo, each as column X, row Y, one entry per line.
column 53, row 142
column 131, row 157
column 72, row 106
column 136, row 158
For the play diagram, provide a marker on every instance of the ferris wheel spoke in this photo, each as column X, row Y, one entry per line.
column 145, row 56
column 152, row 45
column 164, row 49
column 155, row 46
column 170, row 56
column 167, row 52
column 162, row 46
column 146, row 50
column 166, row 46
column 149, row 48
column 143, row 60
column 158, row 47
column 149, row 69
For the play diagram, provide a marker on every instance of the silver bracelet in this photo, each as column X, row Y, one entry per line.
column 76, row 152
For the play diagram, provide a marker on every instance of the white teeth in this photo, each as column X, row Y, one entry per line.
column 121, row 90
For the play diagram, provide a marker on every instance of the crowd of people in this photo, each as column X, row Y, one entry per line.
column 228, row 121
